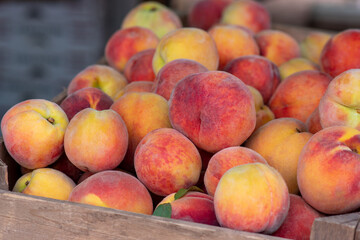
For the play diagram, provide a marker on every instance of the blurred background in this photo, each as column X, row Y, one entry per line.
column 44, row 44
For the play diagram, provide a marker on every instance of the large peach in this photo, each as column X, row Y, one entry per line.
column 340, row 106
column 312, row 45
column 103, row 77
column 295, row 65
column 139, row 67
column 280, row 142
column 251, row 197
column 172, row 73
column 233, row 42
column 124, row 43
column 226, row 159
column 166, row 161
column 329, row 170
column 114, row 189
column 142, row 113
column 299, row 95
column 188, row 43
column 138, row 86
column 258, row 72
column 214, row 109
column 33, row 132
column 96, row 140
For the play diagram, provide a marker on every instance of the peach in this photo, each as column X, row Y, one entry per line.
column 280, row 142
column 247, row 13
column 139, row 67
column 138, row 86
column 341, row 52
column 114, row 189
column 64, row 165
column 329, row 170
column 233, row 42
column 103, row 77
column 313, row 122
column 192, row 207
column 33, row 132
column 124, row 43
column 154, row 16
column 226, row 159
column 96, row 140
column 299, row 95
column 340, row 106
column 166, row 161
column 299, row 220
column 142, row 113
column 206, row 13
column 45, row 182
column 188, row 43
column 251, row 197
column 295, row 65
column 84, row 176
column 213, row 109
column 258, row 72
column 172, row 73
column 88, row 97
column 278, row 46
column 312, row 45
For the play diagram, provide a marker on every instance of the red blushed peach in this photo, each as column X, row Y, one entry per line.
column 247, row 13
column 103, row 77
column 340, row 106
column 65, row 166
column 124, row 43
column 192, row 207
column 33, row 132
column 299, row 220
column 172, row 73
column 139, row 67
column 226, row 159
column 233, row 42
column 296, row 65
column 251, row 197
column 299, row 95
column 96, row 140
column 329, row 170
column 258, row 72
column 341, row 52
column 312, row 45
column 313, row 122
column 277, row 46
column 113, row 189
column 140, row 86
column 166, row 161
column 142, row 113
column 85, row 98
column 214, row 109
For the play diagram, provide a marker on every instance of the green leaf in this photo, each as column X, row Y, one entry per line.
column 163, row 210
column 183, row 191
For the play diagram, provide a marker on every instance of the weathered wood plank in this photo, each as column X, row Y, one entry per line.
column 13, row 170
column 39, row 218
column 4, row 182
column 335, row 227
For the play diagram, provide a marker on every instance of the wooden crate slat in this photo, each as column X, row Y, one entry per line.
column 4, row 182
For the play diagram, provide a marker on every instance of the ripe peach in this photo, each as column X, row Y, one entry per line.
column 166, row 161
column 103, row 77
column 299, row 95
column 213, row 109
column 172, row 73
column 295, row 65
column 277, row 46
column 45, row 182
column 177, row 43
column 88, row 97
column 247, row 13
column 139, row 67
column 96, row 140
column 251, row 197
column 313, row 122
column 258, row 72
column 226, row 159
column 340, row 106
column 280, row 142
column 114, row 189
column 329, row 170
column 124, row 43
column 233, row 42
column 33, row 132
column 312, row 45
column 138, row 86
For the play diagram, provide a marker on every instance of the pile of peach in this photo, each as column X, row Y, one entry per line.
column 266, row 127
